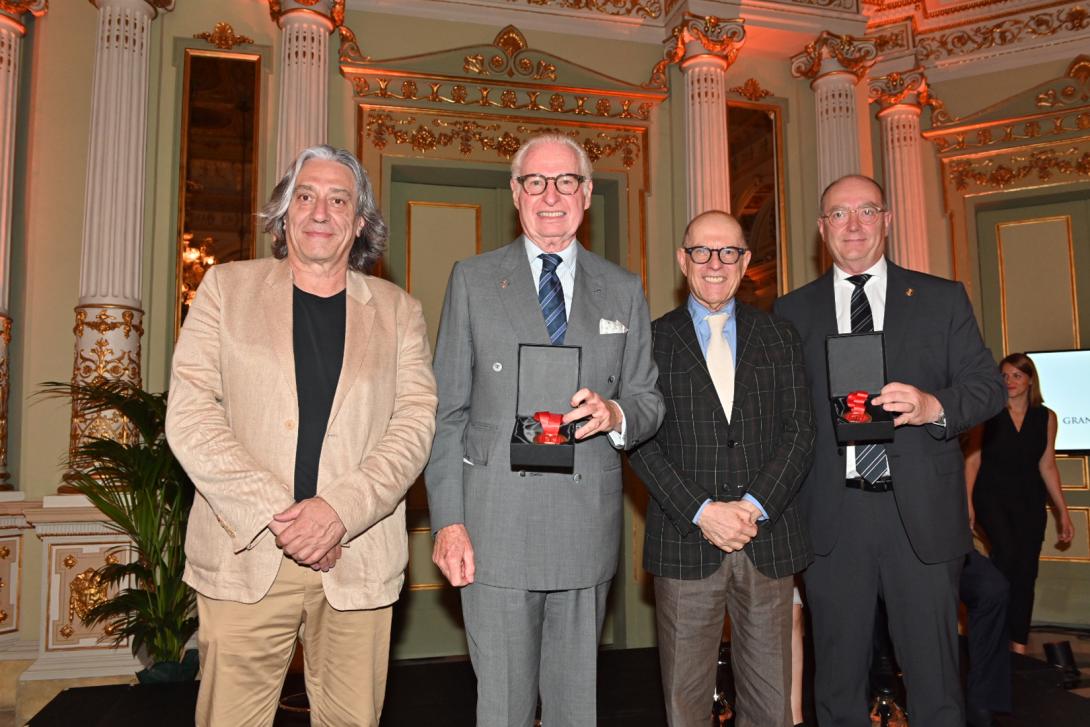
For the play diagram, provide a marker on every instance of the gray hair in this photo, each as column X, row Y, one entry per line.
column 368, row 247
column 585, row 168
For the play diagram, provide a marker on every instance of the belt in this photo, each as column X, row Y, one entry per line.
column 883, row 484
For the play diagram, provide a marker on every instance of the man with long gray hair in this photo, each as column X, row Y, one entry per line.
column 302, row 404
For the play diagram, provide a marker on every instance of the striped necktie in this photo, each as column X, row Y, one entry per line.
column 551, row 297
column 870, row 459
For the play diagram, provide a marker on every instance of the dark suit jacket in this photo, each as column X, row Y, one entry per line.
column 765, row 450
column 933, row 343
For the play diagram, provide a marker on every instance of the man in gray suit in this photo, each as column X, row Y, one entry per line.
column 535, row 552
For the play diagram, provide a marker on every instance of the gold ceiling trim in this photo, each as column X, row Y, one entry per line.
column 715, row 35
column 647, row 9
column 224, row 36
column 960, row 42
column 404, row 127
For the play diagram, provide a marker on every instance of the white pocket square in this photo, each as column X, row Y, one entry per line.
column 605, row 326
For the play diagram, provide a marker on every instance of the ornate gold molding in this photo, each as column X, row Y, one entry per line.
column 752, row 90
column 511, row 44
column 5, row 391
column 105, row 322
column 1006, row 32
column 1004, row 171
column 1069, row 94
column 389, row 128
column 648, row 9
column 716, row 36
column 349, row 50
column 854, row 55
column 223, row 36
column 511, row 98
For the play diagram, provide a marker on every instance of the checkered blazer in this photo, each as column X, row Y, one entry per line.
column 765, row 450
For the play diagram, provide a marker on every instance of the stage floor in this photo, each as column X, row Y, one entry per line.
column 443, row 692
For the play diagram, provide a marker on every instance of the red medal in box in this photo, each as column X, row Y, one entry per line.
column 550, row 428
column 857, row 407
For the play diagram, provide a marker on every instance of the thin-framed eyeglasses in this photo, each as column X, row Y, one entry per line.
column 867, row 215
column 701, row 254
column 535, row 184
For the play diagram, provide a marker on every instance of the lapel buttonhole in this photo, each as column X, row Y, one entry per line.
column 910, row 292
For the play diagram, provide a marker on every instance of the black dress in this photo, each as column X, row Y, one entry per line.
column 1010, row 501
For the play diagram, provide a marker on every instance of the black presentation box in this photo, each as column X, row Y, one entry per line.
column 548, row 378
column 857, row 362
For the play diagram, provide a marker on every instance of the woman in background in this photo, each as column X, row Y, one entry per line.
column 1011, row 474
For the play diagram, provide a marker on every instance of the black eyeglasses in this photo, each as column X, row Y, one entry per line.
column 701, row 254
column 535, row 184
column 867, row 215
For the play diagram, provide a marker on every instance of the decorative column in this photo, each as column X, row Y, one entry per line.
column 109, row 315
column 304, row 63
column 12, row 31
column 900, row 97
column 705, row 47
column 835, row 64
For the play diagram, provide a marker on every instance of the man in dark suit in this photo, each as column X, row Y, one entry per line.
column 889, row 519
column 723, row 530
column 536, row 551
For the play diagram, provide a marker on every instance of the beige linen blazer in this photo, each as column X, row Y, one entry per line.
column 232, row 421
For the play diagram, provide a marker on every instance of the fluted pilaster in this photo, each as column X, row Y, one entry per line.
column 835, row 64
column 705, row 47
column 108, row 317
column 899, row 98
column 12, row 31
column 304, row 62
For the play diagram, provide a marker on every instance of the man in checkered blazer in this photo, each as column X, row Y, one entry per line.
column 723, row 530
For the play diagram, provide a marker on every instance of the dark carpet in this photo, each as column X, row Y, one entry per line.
column 443, row 692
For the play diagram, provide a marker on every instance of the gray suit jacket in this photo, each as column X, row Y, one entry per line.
column 530, row 530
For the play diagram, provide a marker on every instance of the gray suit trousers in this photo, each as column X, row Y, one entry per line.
column 522, row 642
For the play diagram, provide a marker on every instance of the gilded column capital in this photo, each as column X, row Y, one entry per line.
column 696, row 36
column 830, row 53
column 328, row 12
column 156, row 5
column 14, row 10
column 905, row 89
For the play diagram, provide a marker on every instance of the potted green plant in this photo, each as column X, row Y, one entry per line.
column 144, row 491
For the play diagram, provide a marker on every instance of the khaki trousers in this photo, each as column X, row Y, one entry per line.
column 245, row 650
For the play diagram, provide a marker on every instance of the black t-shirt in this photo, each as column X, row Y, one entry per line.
column 318, row 326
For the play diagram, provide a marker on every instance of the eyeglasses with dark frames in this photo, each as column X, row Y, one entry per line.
column 867, row 215
column 701, row 254
column 535, row 184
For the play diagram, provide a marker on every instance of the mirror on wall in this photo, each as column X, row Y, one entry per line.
column 755, row 141
column 218, row 176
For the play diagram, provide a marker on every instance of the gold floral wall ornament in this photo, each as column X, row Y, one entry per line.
column 106, row 321
column 69, row 561
column 224, row 36
column 85, row 591
column 1003, row 33
column 349, row 50
column 1075, row 93
column 16, row 8
column 715, row 35
column 5, row 552
column 751, row 89
column 66, row 631
column 511, row 60
column 853, row 55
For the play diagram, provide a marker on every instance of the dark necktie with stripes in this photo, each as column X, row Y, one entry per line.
column 551, row 297
column 870, row 459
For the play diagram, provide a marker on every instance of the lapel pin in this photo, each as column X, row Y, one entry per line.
column 910, row 292
column 503, row 283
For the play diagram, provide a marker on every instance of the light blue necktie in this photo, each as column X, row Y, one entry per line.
column 551, row 297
